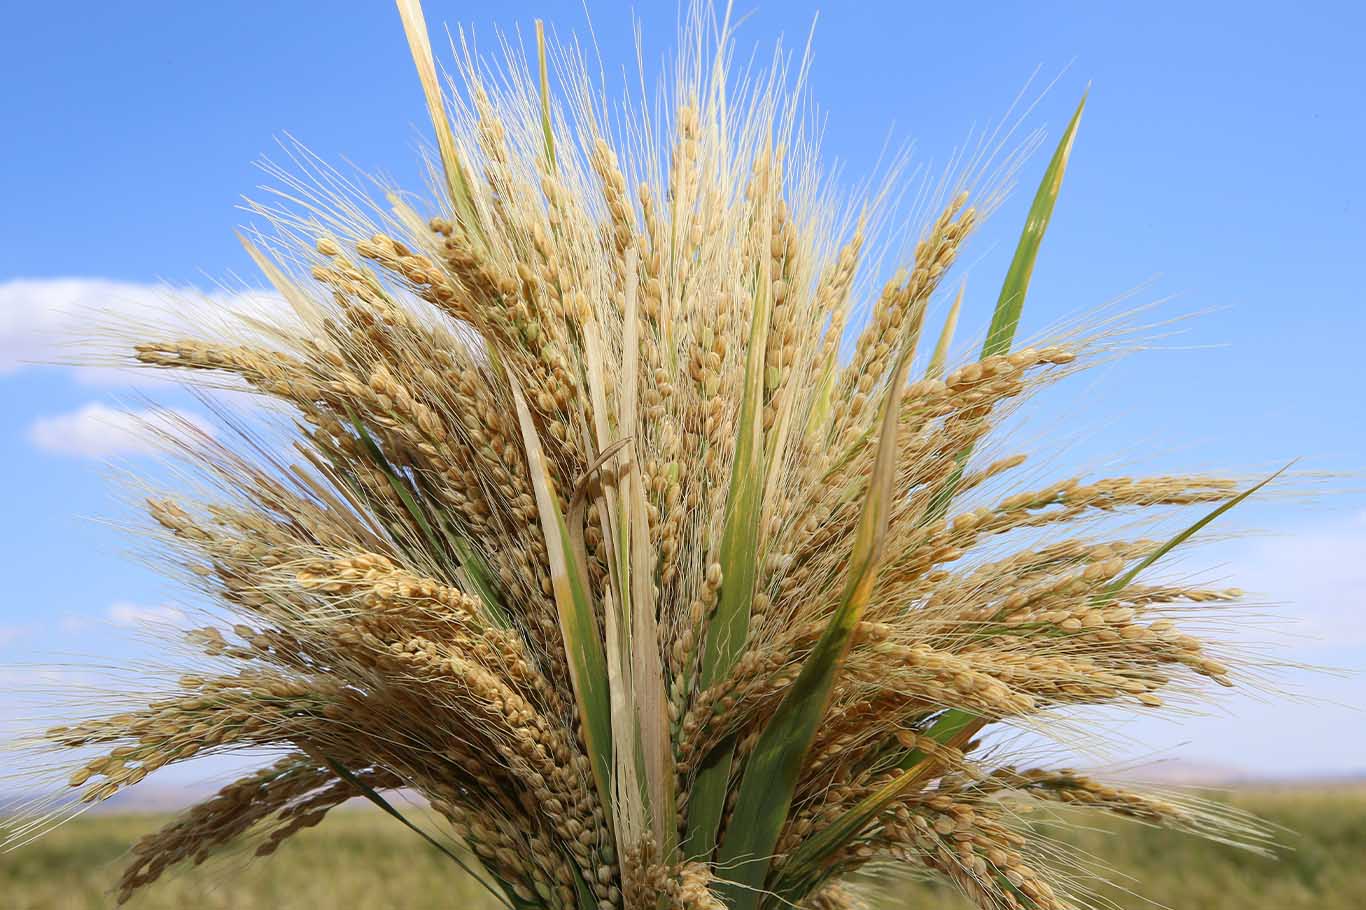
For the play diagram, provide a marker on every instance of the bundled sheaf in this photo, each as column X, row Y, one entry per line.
column 674, row 568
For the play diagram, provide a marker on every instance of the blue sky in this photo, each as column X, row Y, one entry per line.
column 1219, row 163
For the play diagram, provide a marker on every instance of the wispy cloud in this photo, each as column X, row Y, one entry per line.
column 9, row 634
column 23, row 677
column 127, row 614
column 63, row 319
column 99, row 431
column 1318, row 573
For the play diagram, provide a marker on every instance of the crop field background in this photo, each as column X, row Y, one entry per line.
column 359, row 858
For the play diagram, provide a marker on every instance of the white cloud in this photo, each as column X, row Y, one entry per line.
column 1318, row 574
column 9, row 634
column 123, row 614
column 64, row 320
column 16, row 679
column 126, row 614
column 99, row 431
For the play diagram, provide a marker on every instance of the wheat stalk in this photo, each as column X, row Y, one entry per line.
column 587, row 533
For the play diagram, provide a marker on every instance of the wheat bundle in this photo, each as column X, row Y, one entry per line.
column 672, row 565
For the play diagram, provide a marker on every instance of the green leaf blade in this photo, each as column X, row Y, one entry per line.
column 955, row 724
column 578, row 619
column 771, row 775
column 1010, row 304
column 1123, row 581
column 935, row 369
column 506, row 896
column 1005, row 319
column 547, row 132
column 1001, row 332
column 952, row 725
column 728, row 629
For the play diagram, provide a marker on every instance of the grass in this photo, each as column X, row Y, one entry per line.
column 358, row 858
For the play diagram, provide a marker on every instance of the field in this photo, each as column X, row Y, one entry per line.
column 362, row 859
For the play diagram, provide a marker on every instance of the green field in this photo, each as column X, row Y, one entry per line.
column 360, row 858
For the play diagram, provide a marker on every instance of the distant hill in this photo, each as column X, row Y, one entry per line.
column 1184, row 773
column 1191, row 773
column 164, row 798
column 1175, row 772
